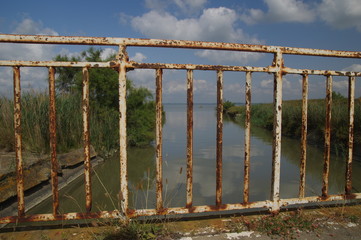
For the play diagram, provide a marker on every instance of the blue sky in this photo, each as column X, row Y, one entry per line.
column 323, row 24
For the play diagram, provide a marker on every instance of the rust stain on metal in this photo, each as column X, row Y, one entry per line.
column 61, row 217
column 162, row 211
column 277, row 124
column 18, row 142
column 191, row 209
column 159, row 165
column 247, row 138
column 219, row 138
column 52, row 131
column 351, row 109
column 198, row 67
column 350, row 196
column 122, row 65
column 326, row 166
column 39, row 39
column 303, row 136
column 189, row 138
column 86, row 140
column 123, row 198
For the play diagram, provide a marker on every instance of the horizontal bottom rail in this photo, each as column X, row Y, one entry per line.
column 181, row 210
column 61, row 217
column 239, row 206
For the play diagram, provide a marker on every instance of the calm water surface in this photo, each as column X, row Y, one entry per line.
column 141, row 168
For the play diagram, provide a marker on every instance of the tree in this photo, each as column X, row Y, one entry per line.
column 103, row 92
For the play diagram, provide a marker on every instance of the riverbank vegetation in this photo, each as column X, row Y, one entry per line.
column 104, row 115
column 262, row 116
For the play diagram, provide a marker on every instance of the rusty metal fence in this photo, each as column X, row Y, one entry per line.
column 122, row 64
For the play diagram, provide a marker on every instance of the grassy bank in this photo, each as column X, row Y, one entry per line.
column 262, row 116
column 104, row 124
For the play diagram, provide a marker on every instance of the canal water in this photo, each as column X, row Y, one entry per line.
column 141, row 168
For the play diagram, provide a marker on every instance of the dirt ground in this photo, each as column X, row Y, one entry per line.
column 332, row 223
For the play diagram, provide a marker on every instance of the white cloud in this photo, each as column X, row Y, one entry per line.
column 29, row 26
column 281, row 11
column 341, row 13
column 229, row 57
column 353, row 68
column 201, row 85
column 267, row 83
column 215, row 24
column 138, row 57
column 28, row 51
column 174, row 86
column 253, row 16
column 286, row 84
column 340, row 85
column 143, row 78
column 107, row 53
column 31, row 77
column 234, row 88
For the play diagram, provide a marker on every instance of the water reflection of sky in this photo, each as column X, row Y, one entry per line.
column 141, row 168
column 204, row 157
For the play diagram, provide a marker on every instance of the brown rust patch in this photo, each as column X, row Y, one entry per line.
column 162, row 211
column 350, row 196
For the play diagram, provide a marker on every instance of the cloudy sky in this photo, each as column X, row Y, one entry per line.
column 323, row 24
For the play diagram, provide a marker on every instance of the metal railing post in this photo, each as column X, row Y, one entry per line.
column 277, row 127
column 18, row 142
column 52, row 131
column 247, row 138
column 122, row 81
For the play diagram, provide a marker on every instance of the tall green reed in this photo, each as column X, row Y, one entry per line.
column 35, row 124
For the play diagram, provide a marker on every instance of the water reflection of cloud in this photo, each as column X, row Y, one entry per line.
column 176, row 119
column 229, row 151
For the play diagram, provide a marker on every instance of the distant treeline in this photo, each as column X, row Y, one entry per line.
column 262, row 116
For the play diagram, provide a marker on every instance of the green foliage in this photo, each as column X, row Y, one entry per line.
column 337, row 96
column 103, row 90
column 140, row 116
column 104, row 113
column 227, row 105
column 262, row 116
column 234, row 111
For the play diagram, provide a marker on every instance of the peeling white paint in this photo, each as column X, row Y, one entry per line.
column 351, row 224
column 237, row 235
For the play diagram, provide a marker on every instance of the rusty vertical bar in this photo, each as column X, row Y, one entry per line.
column 86, row 140
column 52, row 131
column 189, row 138
column 247, row 138
column 122, row 80
column 159, row 159
column 277, row 125
column 351, row 111
column 327, row 151
column 301, row 193
column 219, row 137
column 18, row 142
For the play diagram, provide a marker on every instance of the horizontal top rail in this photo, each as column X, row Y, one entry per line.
column 110, row 41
